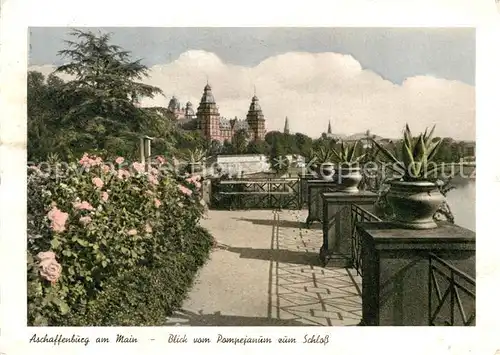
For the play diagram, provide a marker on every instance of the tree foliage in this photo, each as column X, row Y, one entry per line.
column 98, row 108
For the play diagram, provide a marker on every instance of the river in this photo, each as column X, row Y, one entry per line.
column 462, row 202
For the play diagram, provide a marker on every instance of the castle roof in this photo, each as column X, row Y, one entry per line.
column 255, row 110
column 174, row 104
column 240, row 124
column 207, row 97
column 189, row 108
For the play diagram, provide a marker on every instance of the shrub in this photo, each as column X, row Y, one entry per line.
column 105, row 225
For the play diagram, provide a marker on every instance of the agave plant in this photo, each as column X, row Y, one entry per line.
column 417, row 153
column 348, row 153
column 322, row 155
column 197, row 155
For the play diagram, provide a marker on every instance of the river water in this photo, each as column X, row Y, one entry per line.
column 462, row 202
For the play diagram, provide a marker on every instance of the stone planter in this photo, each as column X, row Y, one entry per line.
column 348, row 178
column 325, row 171
column 414, row 203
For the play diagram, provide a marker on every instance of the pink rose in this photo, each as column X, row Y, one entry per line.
column 153, row 171
column 185, row 190
column 85, row 220
column 123, row 174
column 132, row 232
column 152, row 179
column 50, row 270
column 138, row 167
column 104, row 196
column 88, row 161
column 83, row 206
column 160, row 159
column 98, row 182
column 58, row 219
column 157, row 202
column 45, row 255
column 106, row 169
column 119, row 160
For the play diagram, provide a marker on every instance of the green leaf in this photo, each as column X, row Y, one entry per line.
column 67, row 252
column 433, row 149
column 55, row 243
column 408, row 160
column 387, row 154
column 428, row 138
column 351, row 153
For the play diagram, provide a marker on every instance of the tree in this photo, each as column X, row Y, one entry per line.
column 227, row 147
column 258, row 147
column 240, row 140
column 216, row 148
column 277, row 158
column 304, row 144
column 44, row 106
column 103, row 95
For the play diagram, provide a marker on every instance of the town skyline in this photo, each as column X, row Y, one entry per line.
column 315, row 86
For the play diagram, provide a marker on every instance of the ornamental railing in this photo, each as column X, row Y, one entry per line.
column 280, row 193
column 452, row 295
column 358, row 214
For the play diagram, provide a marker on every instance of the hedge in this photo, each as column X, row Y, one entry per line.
column 111, row 244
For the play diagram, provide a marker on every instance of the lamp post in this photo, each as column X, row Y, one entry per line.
column 146, row 151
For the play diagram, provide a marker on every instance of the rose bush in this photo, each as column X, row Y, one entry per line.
column 91, row 224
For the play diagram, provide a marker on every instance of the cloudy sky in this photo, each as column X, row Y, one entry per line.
column 358, row 78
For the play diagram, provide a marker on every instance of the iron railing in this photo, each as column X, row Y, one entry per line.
column 456, row 306
column 358, row 214
column 282, row 193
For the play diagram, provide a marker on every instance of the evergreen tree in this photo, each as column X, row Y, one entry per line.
column 104, row 95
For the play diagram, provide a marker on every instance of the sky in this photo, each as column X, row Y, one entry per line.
column 357, row 78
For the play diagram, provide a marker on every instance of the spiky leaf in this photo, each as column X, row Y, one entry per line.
column 428, row 138
column 387, row 154
column 433, row 149
column 408, row 161
column 352, row 152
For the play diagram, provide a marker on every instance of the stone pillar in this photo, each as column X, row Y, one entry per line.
column 314, row 200
column 396, row 275
column 303, row 178
column 338, row 223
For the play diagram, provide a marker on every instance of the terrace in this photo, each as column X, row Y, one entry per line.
column 275, row 266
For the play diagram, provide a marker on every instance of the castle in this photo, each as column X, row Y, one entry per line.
column 210, row 123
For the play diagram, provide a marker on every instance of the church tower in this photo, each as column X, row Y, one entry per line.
column 286, row 130
column 208, row 115
column 255, row 119
column 329, row 127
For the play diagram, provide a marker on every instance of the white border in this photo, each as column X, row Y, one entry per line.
column 16, row 15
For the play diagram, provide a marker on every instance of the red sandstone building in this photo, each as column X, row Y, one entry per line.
column 212, row 125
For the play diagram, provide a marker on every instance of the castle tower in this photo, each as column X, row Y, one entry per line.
column 255, row 119
column 189, row 112
column 286, row 130
column 208, row 115
column 174, row 107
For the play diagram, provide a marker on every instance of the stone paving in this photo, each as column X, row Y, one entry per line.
column 266, row 272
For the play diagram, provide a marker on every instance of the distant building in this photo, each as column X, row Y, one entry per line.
column 235, row 165
column 210, row 123
column 286, row 130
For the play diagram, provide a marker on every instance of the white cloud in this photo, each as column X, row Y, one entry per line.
column 313, row 88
